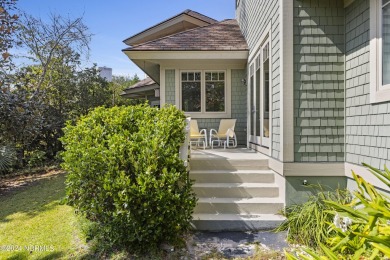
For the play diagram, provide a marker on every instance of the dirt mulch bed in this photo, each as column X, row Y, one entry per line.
column 14, row 182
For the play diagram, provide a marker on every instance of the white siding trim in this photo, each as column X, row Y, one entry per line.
column 287, row 80
column 377, row 94
column 190, row 55
column 162, row 86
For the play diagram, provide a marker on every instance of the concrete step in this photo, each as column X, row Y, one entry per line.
column 239, row 206
column 236, row 190
column 236, row 222
column 226, row 176
column 228, row 164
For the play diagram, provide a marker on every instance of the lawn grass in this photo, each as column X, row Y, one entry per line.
column 35, row 225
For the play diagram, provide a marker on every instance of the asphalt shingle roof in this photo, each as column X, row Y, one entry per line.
column 143, row 83
column 224, row 35
column 188, row 12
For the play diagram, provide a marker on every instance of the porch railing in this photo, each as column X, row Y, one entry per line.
column 185, row 151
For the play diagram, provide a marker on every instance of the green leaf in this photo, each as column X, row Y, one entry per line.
column 342, row 242
column 358, row 253
column 351, row 211
column 312, row 254
column 290, row 256
column 384, row 249
column 382, row 176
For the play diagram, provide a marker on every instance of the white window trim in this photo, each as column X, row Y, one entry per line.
column 227, row 113
column 378, row 92
column 266, row 38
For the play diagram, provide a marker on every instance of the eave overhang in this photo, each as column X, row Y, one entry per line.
column 187, row 55
column 151, row 61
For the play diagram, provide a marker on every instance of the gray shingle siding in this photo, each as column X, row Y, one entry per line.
column 367, row 125
column 319, row 80
column 239, row 107
column 170, row 87
column 253, row 18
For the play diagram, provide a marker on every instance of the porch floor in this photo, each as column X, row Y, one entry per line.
column 238, row 153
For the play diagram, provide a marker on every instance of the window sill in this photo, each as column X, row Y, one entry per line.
column 209, row 115
column 379, row 96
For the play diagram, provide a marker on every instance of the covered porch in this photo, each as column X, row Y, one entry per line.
column 202, row 71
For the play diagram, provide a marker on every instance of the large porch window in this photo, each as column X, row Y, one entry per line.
column 204, row 93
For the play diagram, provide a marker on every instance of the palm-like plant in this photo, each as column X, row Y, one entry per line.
column 7, row 157
column 362, row 226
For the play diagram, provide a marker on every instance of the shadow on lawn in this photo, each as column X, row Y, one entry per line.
column 39, row 196
column 26, row 255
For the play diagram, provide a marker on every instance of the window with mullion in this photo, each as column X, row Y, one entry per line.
column 191, row 86
column 215, row 91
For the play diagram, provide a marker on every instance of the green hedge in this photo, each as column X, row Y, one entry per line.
column 125, row 174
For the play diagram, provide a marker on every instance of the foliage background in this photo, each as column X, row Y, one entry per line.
column 37, row 99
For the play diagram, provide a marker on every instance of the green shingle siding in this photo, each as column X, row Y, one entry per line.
column 367, row 125
column 239, row 108
column 170, row 87
column 319, row 80
column 254, row 17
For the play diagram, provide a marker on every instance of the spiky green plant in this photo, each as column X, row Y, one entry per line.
column 7, row 157
column 307, row 223
column 362, row 226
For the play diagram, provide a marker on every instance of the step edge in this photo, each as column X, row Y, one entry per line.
column 238, row 217
column 261, row 200
column 237, row 171
column 235, row 185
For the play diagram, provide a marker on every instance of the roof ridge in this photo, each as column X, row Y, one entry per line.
column 187, row 12
column 192, row 11
column 175, row 34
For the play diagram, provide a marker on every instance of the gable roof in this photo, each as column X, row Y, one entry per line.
column 224, row 35
column 143, row 83
column 145, row 87
column 185, row 20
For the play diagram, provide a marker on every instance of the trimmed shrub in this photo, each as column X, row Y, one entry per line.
column 125, row 174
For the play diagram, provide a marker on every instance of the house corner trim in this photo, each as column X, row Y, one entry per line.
column 287, row 80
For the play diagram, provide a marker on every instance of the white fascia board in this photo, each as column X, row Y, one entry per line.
column 187, row 55
column 160, row 28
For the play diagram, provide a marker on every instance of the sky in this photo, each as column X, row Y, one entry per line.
column 112, row 21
